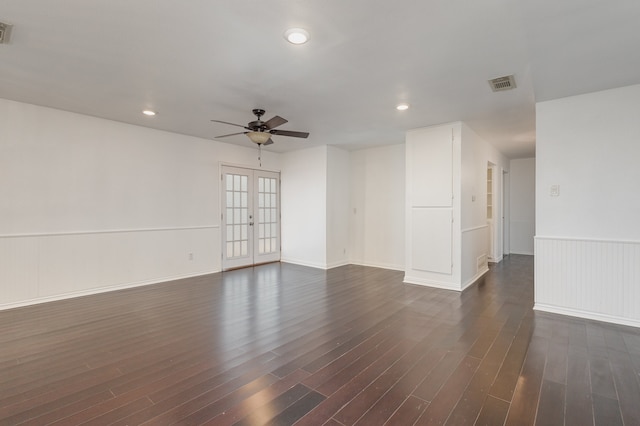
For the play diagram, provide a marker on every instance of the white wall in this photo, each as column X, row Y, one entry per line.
column 447, row 206
column 377, row 207
column 476, row 233
column 89, row 205
column 588, row 238
column 432, row 215
column 304, row 207
column 506, row 205
column 337, row 206
column 522, row 205
column 590, row 148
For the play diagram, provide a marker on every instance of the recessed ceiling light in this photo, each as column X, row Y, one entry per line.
column 149, row 112
column 296, row 36
column 402, row 107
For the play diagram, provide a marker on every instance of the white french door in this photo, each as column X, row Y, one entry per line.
column 250, row 217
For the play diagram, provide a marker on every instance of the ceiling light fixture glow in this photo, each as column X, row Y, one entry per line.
column 149, row 112
column 259, row 137
column 296, row 36
column 402, row 107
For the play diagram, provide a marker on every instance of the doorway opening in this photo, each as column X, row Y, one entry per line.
column 495, row 213
column 250, row 217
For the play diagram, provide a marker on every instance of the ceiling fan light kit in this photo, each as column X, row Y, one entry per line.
column 259, row 137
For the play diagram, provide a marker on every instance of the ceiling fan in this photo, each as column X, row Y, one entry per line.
column 260, row 131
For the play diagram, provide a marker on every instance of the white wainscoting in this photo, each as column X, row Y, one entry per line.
column 44, row 267
column 595, row 279
column 475, row 253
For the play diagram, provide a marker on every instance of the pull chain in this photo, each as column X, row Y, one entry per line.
column 260, row 154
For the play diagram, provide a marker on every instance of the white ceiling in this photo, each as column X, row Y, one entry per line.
column 201, row 59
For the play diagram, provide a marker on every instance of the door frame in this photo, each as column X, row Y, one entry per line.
column 254, row 209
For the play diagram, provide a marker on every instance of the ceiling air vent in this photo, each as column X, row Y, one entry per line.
column 5, row 33
column 502, row 83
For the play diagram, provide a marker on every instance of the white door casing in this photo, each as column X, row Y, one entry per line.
column 250, row 217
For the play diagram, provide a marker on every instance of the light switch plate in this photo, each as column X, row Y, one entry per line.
column 555, row 190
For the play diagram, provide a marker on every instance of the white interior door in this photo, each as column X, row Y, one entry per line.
column 267, row 219
column 250, row 217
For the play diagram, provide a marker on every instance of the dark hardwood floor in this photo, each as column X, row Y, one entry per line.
column 281, row 344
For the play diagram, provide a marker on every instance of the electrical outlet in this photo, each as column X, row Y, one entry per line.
column 555, row 190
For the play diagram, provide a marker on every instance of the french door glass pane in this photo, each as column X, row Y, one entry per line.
column 237, row 215
column 267, row 215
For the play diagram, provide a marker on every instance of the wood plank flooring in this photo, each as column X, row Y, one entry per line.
column 282, row 344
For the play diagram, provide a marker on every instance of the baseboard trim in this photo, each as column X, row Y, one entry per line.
column 378, row 265
column 430, row 283
column 586, row 315
column 100, row 290
column 523, row 253
column 303, row 263
column 337, row 264
column 475, row 278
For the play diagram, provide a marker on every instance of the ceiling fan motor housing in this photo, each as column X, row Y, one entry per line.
column 257, row 126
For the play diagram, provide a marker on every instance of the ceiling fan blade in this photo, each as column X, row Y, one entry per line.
column 289, row 133
column 269, row 142
column 231, row 134
column 232, row 124
column 275, row 122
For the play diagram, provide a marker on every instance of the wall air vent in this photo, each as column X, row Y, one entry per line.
column 503, row 83
column 5, row 33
